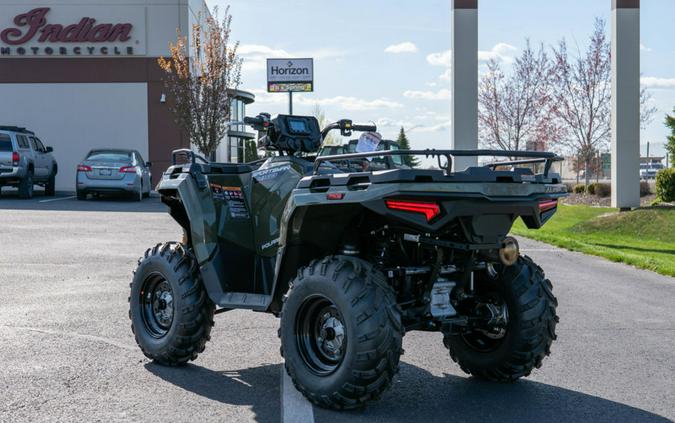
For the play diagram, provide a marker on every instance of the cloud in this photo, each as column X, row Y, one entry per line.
column 353, row 103
column 501, row 52
column 654, row 82
column 644, row 47
column 445, row 76
column 255, row 55
column 342, row 102
column 443, row 58
column 405, row 47
column 442, row 94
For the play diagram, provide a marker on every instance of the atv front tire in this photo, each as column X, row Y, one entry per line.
column 341, row 332
column 528, row 335
column 171, row 315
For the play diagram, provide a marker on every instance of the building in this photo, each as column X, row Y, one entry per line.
column 232, row 148
column 83, row 74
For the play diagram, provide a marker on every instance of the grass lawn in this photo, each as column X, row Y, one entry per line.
column 644, row 238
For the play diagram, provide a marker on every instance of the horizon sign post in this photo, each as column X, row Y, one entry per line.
column 289, row 76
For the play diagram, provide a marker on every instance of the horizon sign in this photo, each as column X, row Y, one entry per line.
column 290, row 75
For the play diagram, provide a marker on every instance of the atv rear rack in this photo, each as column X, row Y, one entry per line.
column 532, row 157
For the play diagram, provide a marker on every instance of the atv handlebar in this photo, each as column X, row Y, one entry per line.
column 346, row 127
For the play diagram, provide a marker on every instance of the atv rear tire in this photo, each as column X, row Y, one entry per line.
column 530, row 330
column 171, row 315
column 341, row 332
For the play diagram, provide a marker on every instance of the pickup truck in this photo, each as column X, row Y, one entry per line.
column 25, row 162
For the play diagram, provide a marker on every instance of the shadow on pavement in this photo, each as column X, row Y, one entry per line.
column 68, row 202
column 256, row 387
column 420, row 396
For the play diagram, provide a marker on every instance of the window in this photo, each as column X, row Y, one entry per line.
column 39, row 144
column 33, row 143
column 22, row 141
column 5, row 143
column 109, row 156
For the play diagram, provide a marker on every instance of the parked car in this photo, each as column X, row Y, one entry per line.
column 111, row 170
column 25, row 161
column 649, row 170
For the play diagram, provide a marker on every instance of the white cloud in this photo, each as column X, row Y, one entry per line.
column 255, row 55
column 644, row 47
column 353, row 103
column 442, row 94
column 443, row 58
column 445, row 76
column 342, row 102
column 405, row 47
column 441, row 127
column 654, row 82
column 501, row 52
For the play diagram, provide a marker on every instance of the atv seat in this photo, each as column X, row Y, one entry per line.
column 228, row 168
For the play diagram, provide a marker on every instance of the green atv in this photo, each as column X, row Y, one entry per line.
column 350, row 261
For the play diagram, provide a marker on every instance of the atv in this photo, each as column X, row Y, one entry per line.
column 351, row 261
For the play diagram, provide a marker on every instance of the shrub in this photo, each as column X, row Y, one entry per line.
column 591, row 188
column 665, row 184
column 603, row 190
column 579, row 189
column 569, row 186
column 645, row 189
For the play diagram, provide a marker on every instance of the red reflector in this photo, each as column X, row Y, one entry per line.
column 335, row 196
column 429, row 210
column 83, row 168
column 15, row 158
column 547, row 205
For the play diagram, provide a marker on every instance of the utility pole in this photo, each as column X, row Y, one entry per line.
column 290, row 102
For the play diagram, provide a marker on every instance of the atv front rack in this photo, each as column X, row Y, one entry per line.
column 531, row 157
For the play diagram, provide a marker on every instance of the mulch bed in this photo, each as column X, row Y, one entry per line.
column 593, row 200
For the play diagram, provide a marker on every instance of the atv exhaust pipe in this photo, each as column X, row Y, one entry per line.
column 509, row 252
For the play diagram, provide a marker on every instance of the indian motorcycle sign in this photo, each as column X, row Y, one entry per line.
column 32, row 33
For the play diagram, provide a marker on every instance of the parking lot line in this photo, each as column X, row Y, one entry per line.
column 294, row 407
column 56, row 199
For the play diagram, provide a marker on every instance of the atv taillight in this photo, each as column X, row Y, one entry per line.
column 547, row 205
column 15, row 158
column 429, row 210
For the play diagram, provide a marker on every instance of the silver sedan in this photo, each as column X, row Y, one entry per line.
column 113, row 171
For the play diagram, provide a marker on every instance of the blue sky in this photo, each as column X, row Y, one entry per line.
column 358, row 77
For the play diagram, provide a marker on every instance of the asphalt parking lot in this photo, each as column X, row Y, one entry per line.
column 67, row 352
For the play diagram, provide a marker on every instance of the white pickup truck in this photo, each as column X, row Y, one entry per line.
column 25, row 161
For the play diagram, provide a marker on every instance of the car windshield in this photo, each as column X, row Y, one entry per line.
column 109, row 156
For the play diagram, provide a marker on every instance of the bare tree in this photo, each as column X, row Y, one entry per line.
column 581, row 97
column 513, row 110
column 199, row 80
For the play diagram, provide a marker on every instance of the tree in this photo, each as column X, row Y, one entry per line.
column 670, row 146
column 250, row 151
column 581, row 97
column 199, row 80
column 404, row 144
column 320, row 115
column 514, row 110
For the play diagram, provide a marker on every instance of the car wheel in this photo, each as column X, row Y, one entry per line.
column 26, row 186
column 50, row 186
column 81, row 195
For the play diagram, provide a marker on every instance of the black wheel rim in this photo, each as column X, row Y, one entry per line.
column 489, row 336
column 157, row 308
column 321, row 335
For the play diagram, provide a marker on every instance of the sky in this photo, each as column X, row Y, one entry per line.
column 387, row 61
